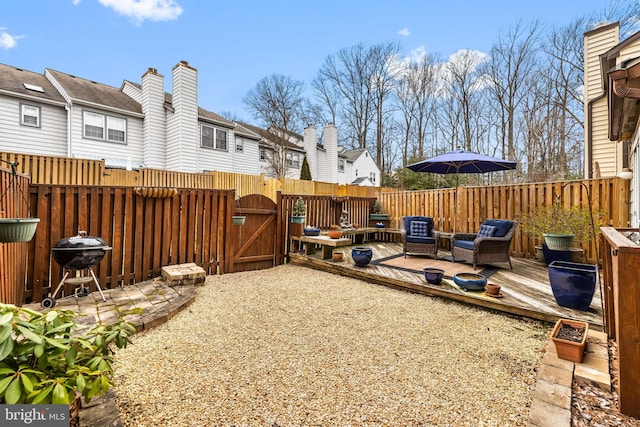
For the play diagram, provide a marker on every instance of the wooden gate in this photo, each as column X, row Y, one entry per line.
column 254, row 244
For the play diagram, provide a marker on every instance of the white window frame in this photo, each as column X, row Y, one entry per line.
column 262, row 154
column 107, row 124
column 24, row 114
column 208, row 140
column 214, row 140
column 341, row 165
column 293, row 160
column 239, row 145
column 372, row 177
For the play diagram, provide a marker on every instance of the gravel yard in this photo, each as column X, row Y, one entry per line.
column 291, row 346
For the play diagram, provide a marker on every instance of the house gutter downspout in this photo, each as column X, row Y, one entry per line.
column 589, row 165
column 69, row 108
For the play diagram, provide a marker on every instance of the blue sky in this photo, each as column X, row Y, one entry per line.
column 235, row 43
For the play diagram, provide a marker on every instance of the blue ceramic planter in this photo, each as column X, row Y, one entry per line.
column 573, row 284
column 311, row 231
column 433, row 275
column 361, row 255
column 470, row 281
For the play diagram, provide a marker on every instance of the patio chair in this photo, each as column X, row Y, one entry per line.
column 419, row 237
column 491, row 243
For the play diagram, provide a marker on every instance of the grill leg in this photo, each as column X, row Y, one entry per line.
column 53, row 295
column 97, row 284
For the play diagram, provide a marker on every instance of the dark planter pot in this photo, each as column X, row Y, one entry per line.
column 573, row 284
column 433, row 275
column 361, row 255
column 571, row 255
column 311, row 231
column 378, row 217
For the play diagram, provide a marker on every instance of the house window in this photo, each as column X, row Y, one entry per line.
column 372, row 177
column 263, row 154
column 239, row 144
column 29, row 115
column 99, row 126
column 116, row 129
column 213, row 138
column 293, row 160
column 340, row 165
column 207, row 138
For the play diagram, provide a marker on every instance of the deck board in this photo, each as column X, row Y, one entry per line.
column 526, row 288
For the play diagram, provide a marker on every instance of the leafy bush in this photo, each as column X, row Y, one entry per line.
column 556, row 219
column 43, row 358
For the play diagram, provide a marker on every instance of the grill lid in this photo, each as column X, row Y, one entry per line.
column 81, row 241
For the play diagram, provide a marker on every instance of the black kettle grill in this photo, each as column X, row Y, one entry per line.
column 79, row 252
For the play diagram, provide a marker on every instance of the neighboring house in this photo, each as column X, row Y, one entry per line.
column 612, row 94
column 138, row 125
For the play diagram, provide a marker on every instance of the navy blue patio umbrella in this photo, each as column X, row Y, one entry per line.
column 461, row 161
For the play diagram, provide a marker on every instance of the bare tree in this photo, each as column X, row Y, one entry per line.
column 277, row 102
column 465, row 86
column 512, row 60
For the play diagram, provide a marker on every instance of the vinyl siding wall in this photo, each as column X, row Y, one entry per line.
column 86, row 146
column 603, row 151
column 48, row 139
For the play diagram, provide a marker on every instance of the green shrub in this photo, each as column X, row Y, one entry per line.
column 44, row 360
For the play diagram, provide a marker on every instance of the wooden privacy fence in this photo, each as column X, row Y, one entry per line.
column 68, row 171
column 145, row 233
column 476, row 204
column 13, row 256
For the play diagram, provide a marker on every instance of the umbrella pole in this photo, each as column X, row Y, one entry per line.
column 455, row 211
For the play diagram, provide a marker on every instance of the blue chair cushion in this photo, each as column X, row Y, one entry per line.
column 502, row 226
column 464, row 244
column 486, row 230
column 408, row 220
column 419, row 229
column 426, row 240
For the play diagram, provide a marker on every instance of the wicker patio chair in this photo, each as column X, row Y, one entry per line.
column 491, row 243
column 419, row 237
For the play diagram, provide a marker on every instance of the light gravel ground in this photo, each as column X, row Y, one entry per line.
column 290, row 346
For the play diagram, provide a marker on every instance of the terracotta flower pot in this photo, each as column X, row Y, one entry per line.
column 337, row 256
column 334, row 234
column 570, row 339
column 493, row 289
column 334, row 227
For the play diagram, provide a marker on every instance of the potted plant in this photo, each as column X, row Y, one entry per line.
column 310, row 230
column 560, row 227
column 570, row 339
column 299, row 211
column 16, row 229
column 238, row 219
column 376, row 212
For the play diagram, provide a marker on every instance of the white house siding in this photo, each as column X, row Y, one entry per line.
column 331, row 145
column 324, row 172
column 93, row 148
column 49, row 139
column 210, row 159
column 132, row 91
column 155, row 120
column 183, row 130
column 310, row 144
column 247, row 161
column 365, row 166
column 603, row 152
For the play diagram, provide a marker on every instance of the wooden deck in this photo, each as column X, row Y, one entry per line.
column 526, row 288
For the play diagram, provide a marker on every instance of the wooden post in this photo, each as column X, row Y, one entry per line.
column 622, row 276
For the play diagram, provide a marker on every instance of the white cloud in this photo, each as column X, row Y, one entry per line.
column 7, row 41
column 140, row 10
column 75, row 2
column 404, row 32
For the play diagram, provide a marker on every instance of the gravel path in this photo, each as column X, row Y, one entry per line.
column 291, row 346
